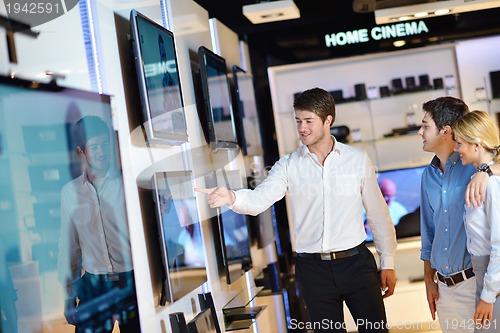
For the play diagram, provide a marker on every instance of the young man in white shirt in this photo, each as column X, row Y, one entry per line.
column 328, row 183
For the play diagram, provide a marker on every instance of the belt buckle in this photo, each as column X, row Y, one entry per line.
column 449, row 281
column 112, row 277
column 328, row 256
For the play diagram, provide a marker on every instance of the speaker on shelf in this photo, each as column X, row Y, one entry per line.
column 423, row 81
column 438, row 83
column 384, row 91
column 410, row 83
column 397, row 86
column 495, row 84
column 338, row 95
column 360, row 91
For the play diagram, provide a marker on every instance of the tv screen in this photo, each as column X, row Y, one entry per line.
column 245, row 107
column 217, row 100
column 232, row 229
column 180, row 234
column 41, row 168
column 159, row 83
column 401, row 191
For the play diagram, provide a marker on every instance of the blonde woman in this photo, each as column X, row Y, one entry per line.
column 478, row 142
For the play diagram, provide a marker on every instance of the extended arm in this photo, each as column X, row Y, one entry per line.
column 431, row 287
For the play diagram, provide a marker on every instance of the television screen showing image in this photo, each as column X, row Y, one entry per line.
column 245, row 111
column 401, row 191
column 217, row 100
column 61, row 181
column 159, row 83
column 180, row 236
column 232, row 229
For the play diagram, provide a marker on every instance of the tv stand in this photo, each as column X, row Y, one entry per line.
column 238, row 314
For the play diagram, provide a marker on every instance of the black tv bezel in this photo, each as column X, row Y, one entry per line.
column 239, row 110
column 159, row 137
column 215, row 142
column 168, row 294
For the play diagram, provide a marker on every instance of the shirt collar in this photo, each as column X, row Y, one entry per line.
column 454, row 158
column 337, row 148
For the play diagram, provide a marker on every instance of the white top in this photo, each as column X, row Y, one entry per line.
column 482, row 226
column 94, row 229
column 326, row 201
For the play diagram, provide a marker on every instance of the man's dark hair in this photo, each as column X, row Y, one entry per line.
column 86, row 128
column 316, row 100
column 445, row 110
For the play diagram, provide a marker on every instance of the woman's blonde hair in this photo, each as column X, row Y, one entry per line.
column 477, row 127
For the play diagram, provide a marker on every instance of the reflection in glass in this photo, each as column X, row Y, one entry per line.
column 79, row 234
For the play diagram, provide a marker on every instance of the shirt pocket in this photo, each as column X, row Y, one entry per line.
column 81, row 214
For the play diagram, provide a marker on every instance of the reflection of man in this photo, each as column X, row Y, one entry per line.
column 94, row 249
column 396, row 209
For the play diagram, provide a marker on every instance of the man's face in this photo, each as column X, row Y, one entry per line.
column 431, row 136
column 310, row 127
column 97, row 153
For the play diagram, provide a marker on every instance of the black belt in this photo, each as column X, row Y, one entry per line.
column 112, row 276
column 333, row 255
column 456, row 278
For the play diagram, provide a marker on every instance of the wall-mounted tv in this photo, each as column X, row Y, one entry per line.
column 220, row 122
column 40, row 173
column 159, row 83
column 180, row 234
column 401, row 191
column 232, row 230
column 245, row 111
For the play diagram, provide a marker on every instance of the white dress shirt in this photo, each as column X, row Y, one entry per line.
column 326, row 201
column 482, row 226
column 94, row 229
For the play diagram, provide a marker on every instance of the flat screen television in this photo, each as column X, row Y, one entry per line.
column 179, row 228
column 231, row 229
column 37, row 160
column 245, row 111
column 220, row 120
column 159, row 82
column 401, row 191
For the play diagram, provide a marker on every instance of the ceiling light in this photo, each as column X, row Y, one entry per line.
column 399, row 43
column 271, row 11
column 389, row 15
column 404, row 18
column 422, row 14
column 441, row 12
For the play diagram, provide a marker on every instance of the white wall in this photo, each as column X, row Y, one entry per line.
column 475, row 59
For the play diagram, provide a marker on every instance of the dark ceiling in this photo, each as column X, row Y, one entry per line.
column 303, row 39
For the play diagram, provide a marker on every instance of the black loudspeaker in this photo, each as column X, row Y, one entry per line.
column 423, row 81
column 438, row 83
column 207, row 302
column 384, row 91
column 397, row 86
column 410, row 83
column 495, row 84
column 360, row 91
column 338, row 95
column 178, row 322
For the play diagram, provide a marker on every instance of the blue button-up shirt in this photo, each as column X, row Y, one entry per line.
column 441, row 216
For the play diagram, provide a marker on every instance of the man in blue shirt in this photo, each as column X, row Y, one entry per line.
column 449, row 279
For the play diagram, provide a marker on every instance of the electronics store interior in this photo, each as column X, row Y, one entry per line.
column 198, row 94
